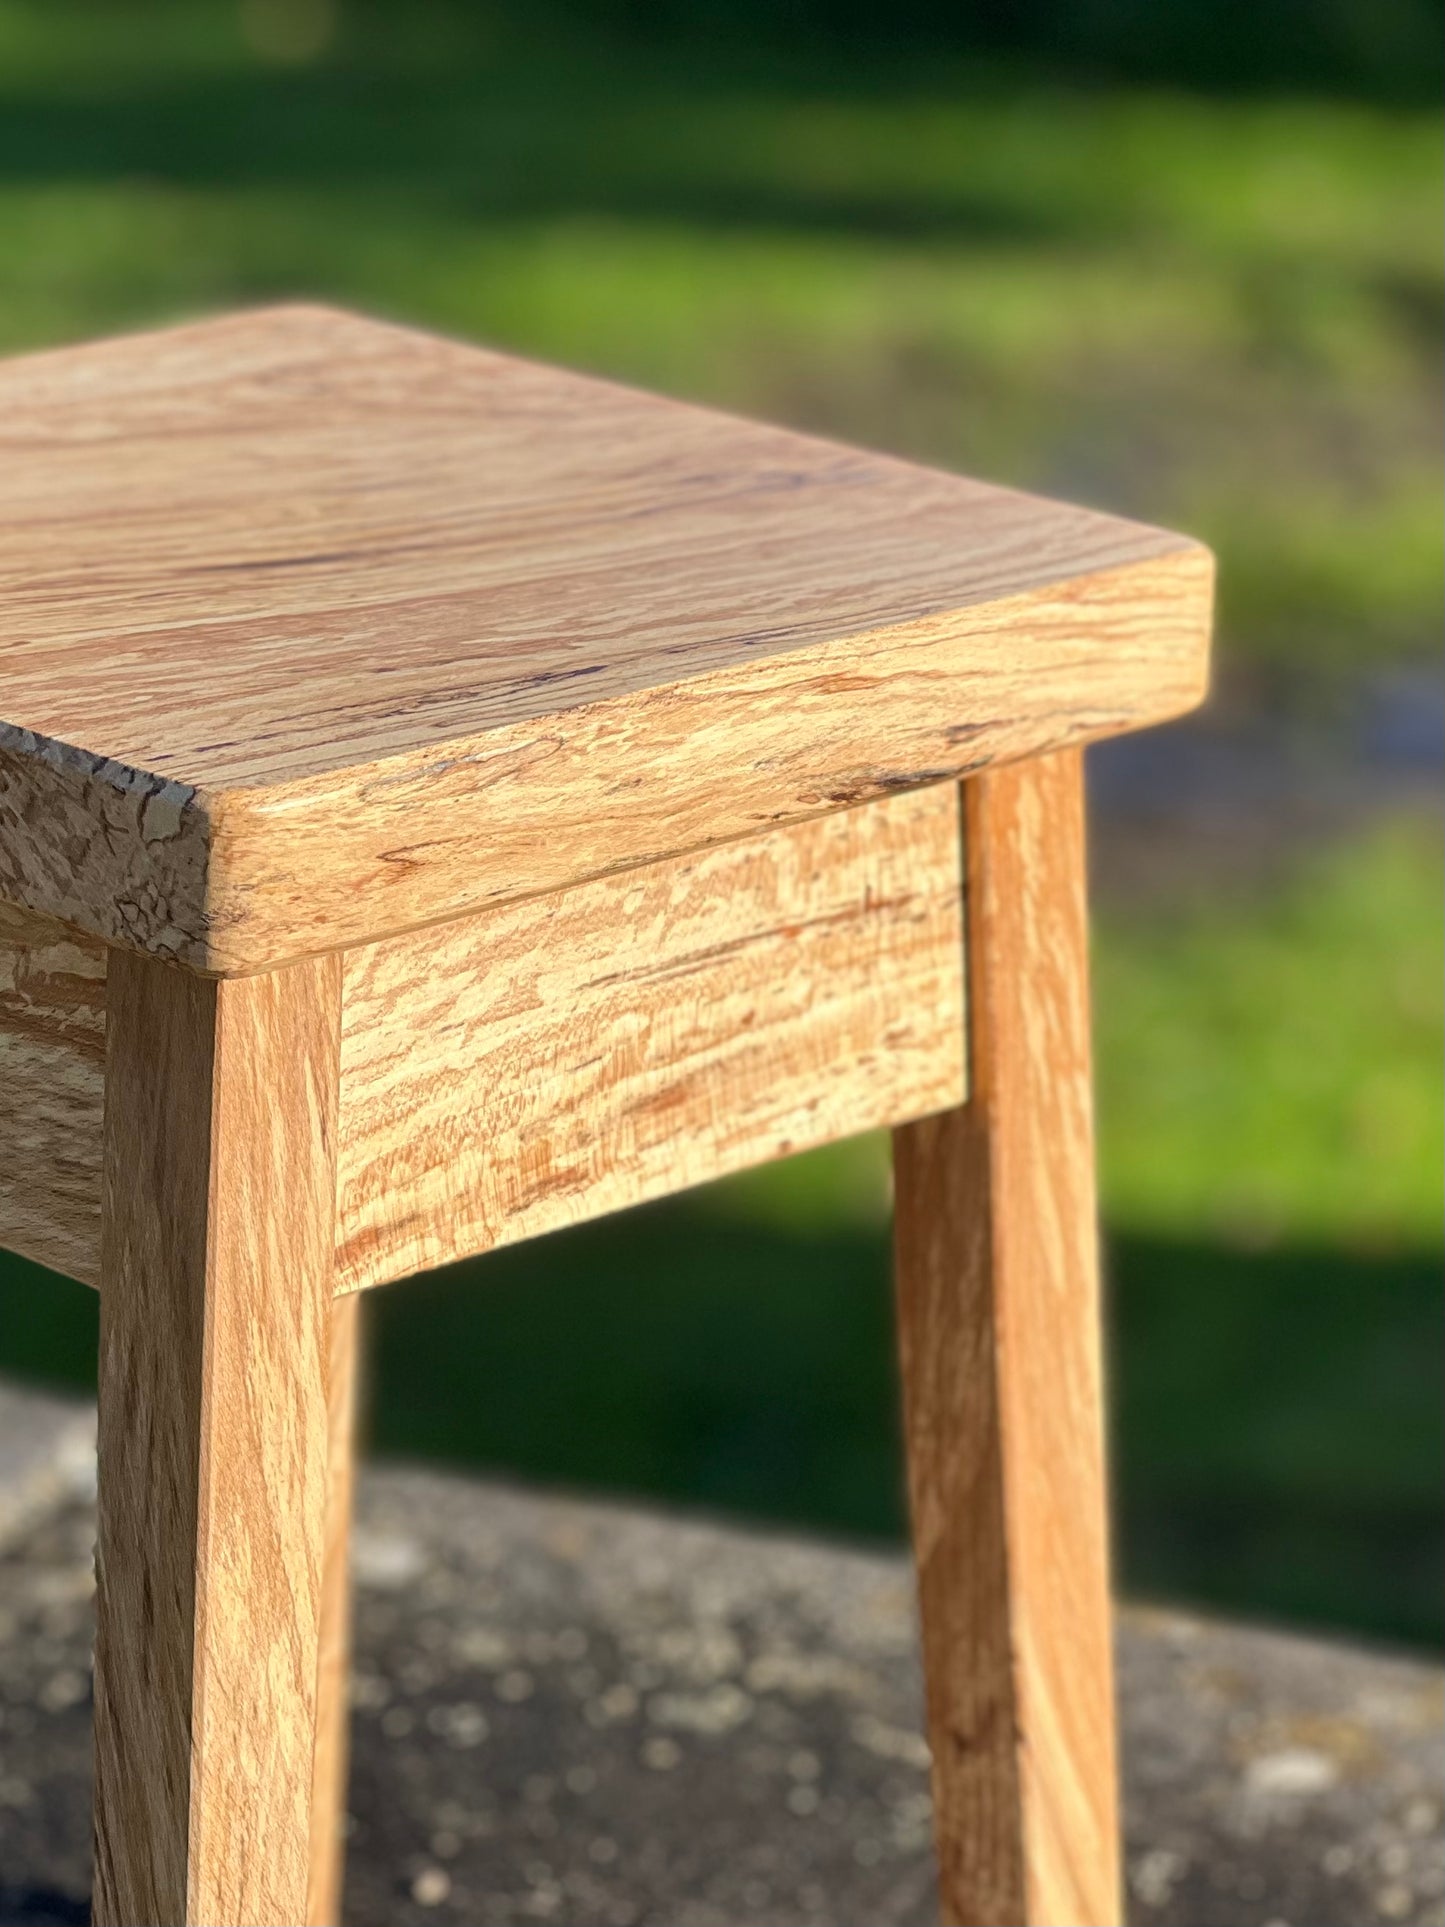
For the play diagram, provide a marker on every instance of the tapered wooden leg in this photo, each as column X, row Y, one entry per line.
column 216, row 1277
column 998, row 1323
column 328, row 1801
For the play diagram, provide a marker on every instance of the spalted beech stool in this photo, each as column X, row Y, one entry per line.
column 443, row 798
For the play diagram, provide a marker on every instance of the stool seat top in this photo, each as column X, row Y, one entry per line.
column 313, row 628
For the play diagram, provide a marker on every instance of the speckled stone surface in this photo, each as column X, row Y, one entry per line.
column 574, row 1713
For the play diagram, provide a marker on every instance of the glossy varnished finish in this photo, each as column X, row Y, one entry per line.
column 997, row 1277
column 317, row 629
column 538, row 1065
column 214, row 1441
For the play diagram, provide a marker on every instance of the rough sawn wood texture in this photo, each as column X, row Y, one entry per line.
column 316, row 629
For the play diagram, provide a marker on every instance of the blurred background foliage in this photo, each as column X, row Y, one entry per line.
column 1180, row 260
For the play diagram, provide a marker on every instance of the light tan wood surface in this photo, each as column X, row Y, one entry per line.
column 52, row 1089
column 217, row 1263
column 333, row 1706
column 545, row 1062
column 998, row 1325
column 316, row 629
column 538, row 1065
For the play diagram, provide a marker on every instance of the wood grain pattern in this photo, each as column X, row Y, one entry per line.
column 541, row 1064
column 317, row 629
column 52, row 1090
column 216, row 1291
column 998, row 1323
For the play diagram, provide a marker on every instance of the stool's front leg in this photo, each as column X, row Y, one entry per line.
column 216, row 1283
column 998, row 1325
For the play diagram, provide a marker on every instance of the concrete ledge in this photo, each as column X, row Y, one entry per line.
column 577, row 1713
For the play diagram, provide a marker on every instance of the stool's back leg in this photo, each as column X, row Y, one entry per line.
column 997, row 1283
column 328, row 1804
column 216, row 1279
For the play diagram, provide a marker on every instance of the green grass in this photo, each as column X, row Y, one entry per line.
column 1270, row 1074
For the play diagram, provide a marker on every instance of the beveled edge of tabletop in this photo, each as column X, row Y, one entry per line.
column 234, row 881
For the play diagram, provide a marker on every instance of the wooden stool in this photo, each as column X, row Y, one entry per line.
column 443, row 798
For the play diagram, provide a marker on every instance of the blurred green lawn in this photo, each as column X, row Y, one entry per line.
column 1221, row 311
